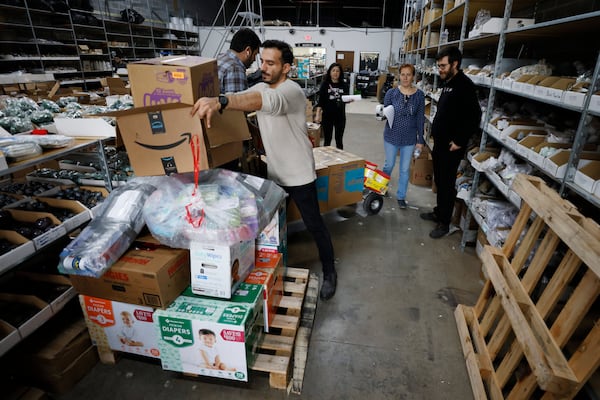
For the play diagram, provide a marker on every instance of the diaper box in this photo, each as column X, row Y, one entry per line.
column 217, row 270
column 268, row 272
column 208, row 337
column 120, row 326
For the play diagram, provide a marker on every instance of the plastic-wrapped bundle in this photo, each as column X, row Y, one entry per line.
column 227, row 207
column 41, row 117
column 64, row 101
column 110, row 234
column 16, row 124
column 49, row 105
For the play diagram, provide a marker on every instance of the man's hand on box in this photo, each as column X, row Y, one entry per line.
column 205, row 107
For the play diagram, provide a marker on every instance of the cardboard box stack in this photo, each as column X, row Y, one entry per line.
column 182, row 305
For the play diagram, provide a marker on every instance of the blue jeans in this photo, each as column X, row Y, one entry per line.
column 406, row 153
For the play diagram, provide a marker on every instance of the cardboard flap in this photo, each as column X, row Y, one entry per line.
column 231, row 126
column 187, row 61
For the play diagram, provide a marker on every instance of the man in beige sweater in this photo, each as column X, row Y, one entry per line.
column 280, row 105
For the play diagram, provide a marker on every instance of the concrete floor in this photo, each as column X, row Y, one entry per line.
column 389, row 333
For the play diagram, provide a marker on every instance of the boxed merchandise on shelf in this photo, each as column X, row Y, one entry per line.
column 225, row 331
column 526, row 145
column 173, row 79
column 162, row 139
column 556, row 165
column 539, row 153
column 123, row 327
column 53, row 227
column 587, row 175
column 21, row 249
column 28, row 312
column 217, row 270
column 147, row 274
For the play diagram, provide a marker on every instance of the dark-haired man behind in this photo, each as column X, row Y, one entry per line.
column 232, row 64
column 456, row 120
column 280, row 108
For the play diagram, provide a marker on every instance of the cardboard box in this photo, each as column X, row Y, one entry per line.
column 84, row 127
column 537, row 158
column 159, row 139
column 9, row 337
column 47, row 237
column 269, row 272
column 147, row 274
column 527, row 144
column 314, row 133
column 24, row 249
column 173, row 79
column 345, row 176
column 556, row 165
column 421, row 169
column 595, row 103
column 217, row 270
column 273, row 239
column 49, row 354
column 189, row 326
column 43, row 314
column 115, row 86
column 587, row 175
column 128, row 328
column 574, row 99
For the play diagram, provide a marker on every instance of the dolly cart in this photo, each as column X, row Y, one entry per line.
column 375, row 186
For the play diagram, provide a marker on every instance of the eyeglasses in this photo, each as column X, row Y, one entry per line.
column 442, row 66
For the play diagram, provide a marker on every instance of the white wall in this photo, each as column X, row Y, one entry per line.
column 385, row 41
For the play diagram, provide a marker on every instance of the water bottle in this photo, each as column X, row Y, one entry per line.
column 417, row 152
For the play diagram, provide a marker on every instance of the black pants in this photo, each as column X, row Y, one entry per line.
column 337, row 121
column 305, row 197
column 445, row 165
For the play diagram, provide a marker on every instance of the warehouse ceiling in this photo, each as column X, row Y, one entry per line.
column 326, row 13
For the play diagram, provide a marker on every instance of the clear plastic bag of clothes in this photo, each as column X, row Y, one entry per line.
column 225, row 207
column 110, row 234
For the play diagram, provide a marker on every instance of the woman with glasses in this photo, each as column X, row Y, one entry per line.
column 406, row 130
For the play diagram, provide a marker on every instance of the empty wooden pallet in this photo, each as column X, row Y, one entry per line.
column 534, row 331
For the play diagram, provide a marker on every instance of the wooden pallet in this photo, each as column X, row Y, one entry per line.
column 277, row 351
column 534, row 332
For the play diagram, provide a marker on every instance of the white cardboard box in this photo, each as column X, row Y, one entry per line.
column 574, row 99
column 217, row 270
column 588, row 174
column 120, row 326
column 595, row 103
column 524, row 147
column 84, row 127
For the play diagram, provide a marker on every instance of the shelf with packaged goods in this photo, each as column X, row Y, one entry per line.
column 31, row 252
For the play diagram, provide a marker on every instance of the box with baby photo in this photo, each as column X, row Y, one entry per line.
column 120, row 326
column 208, row 337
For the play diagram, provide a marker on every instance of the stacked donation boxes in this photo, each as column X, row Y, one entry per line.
column 201, row 310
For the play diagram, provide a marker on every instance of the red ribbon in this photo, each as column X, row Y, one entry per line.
column 195, row 146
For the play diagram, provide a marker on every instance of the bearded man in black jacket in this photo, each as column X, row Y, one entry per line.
column 457, row 118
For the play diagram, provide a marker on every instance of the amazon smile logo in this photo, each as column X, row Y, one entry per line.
column 186, row 137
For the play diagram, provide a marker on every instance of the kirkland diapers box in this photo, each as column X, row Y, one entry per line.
column 148, row 274
column 217, row 270
column 120, row 326
column 208, row 337
column 173, row 79
column 162, row 140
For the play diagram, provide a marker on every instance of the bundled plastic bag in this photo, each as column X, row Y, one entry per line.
column 225, row 207
column 110, row 234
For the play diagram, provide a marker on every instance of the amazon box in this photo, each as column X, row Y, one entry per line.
column 173, row 79
column 165, row 139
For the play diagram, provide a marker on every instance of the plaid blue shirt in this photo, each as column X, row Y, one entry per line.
column 232, row 73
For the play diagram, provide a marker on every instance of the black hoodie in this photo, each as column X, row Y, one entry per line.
column 458, row 112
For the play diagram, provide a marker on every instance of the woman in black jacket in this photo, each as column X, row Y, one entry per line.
column 331, row 107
